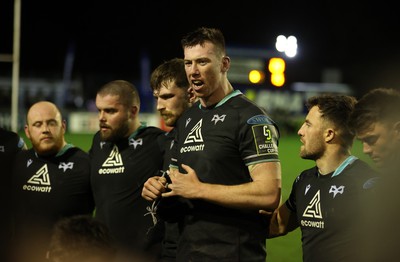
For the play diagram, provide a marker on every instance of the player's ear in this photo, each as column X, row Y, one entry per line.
column 134, row 110
column 27, row 133
column 226, row 64
column 329, row 135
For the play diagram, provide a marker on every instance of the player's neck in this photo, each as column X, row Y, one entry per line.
column 328, row 163
column 217, row 95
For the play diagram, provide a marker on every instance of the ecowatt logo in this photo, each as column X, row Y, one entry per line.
column 40, row 182
column 113, row 164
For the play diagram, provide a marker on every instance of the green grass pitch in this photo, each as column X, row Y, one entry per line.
column 281, row 249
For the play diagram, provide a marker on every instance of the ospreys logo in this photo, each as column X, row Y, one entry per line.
column 40, row 182
column 194, row 136
column 335, row 190
column 313, row 210
column 64, row 166
column 217, row 118
column 135, row 143
column 113, row 164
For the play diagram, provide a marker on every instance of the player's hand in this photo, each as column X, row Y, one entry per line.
column 186, row 185
column 154, row 187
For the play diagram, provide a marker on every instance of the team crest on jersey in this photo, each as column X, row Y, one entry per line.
column 2, row 149
column 39, row 182
column 313, row 211
column 336, row 190
column 113, row 163
column 263, row 138
column 194, row 137
column 64, row 166
column 217, row 118
column 29, row 162
column 135, row 143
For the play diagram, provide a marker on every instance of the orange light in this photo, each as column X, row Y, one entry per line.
column 277, row 68
column 256, row 76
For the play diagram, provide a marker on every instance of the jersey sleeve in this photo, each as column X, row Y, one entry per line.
column 291, row 201
column 259, row 138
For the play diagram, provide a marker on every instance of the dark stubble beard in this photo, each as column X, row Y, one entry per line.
column 316, row 154
column 116, row 134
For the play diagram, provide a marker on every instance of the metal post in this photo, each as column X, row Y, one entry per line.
column 15, row 66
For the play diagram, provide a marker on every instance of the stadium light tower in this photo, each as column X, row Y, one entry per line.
column 287, row 45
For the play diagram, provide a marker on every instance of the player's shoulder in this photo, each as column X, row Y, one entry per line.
column 152, row 131
column 307, row 174
column 250, row 111
column 12, row 139
column 361, row 168
column 77, row 153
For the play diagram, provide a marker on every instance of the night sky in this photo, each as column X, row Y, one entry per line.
column 108, row 38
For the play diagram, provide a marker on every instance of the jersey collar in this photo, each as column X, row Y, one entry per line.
column 137, row 131
column 62, row 151
column 348, row 161
column 226, row 98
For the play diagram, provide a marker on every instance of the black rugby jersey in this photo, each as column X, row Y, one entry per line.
column 46, row 189
column 119, row 171
column 10, row 144
column 329, row 210
column 219, row 143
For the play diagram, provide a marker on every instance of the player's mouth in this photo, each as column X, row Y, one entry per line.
column 197, row 84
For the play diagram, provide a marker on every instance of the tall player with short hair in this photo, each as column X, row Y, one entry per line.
column 226, row 161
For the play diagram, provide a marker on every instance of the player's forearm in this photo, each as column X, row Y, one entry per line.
column 282, row 221
column 252, row 195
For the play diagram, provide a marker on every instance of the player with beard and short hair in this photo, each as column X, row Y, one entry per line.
column 125, row 152
column 51, row 181
column 326, row 200
column 174, row 95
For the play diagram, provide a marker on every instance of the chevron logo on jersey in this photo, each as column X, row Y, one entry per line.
column 335, row 190
column 195, row 135
column 113, row 164
column 314, row 207
column 64, row 166
column 135, row 143
column 40, row 182
column 313, row 210
column 217, row 118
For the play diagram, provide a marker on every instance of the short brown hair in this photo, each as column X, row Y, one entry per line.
column 127, row 92
column 202, row 35
column 378, row 105
column 171, row 70
column 336, row 109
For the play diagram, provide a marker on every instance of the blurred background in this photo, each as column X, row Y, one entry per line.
column 68, row 49
column 282, row 52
